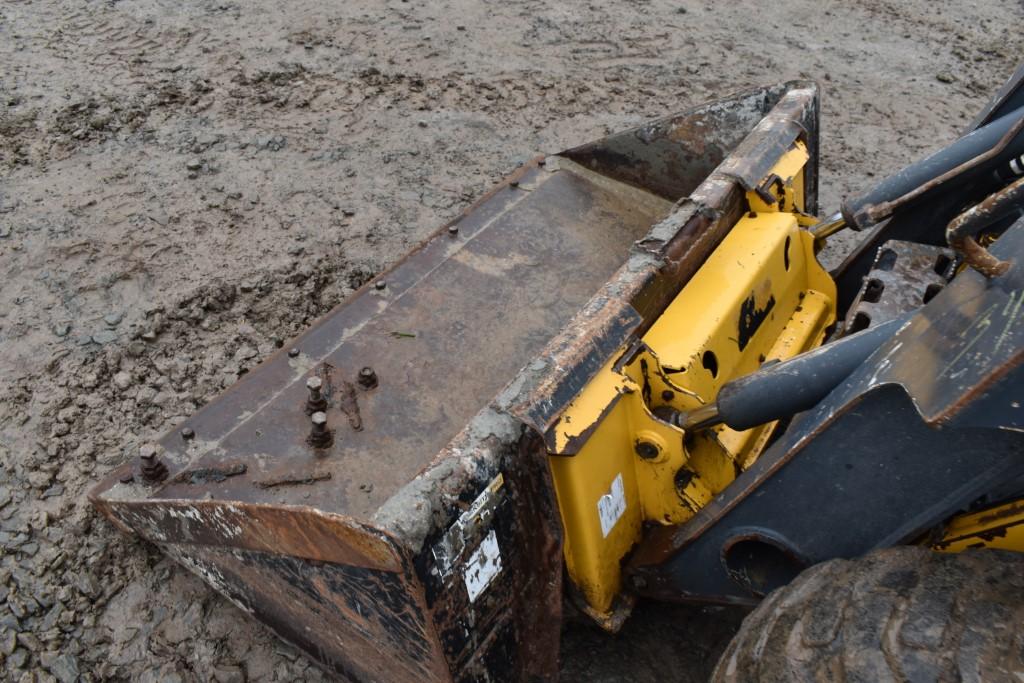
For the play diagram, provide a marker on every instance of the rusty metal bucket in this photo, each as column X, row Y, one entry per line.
column 412, row 533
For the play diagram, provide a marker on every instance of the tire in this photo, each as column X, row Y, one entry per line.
column 902, row 614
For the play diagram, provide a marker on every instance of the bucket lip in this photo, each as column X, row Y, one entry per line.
column 259, row 527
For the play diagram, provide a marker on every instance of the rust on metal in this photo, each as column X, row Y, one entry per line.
column 979, row 258
column 152, row 468
column 298, row 531
column 311, row 478
column 320, row 436
column 206, row 475
column 751, row 162
column 364, row 551
column 360, row 624
column 962, row 231
column 662, row 262
column 903, row 277
column 367, row 378
column 515, row 247
column 316, row 402
column 674, row 155
column 348, row 403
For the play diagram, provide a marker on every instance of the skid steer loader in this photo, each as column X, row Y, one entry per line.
column 623, row 373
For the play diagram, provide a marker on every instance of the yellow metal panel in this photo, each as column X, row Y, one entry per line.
column 742, row 298
column 760, row 295
column 789, row 188
column 593, row 550
column 999, row 527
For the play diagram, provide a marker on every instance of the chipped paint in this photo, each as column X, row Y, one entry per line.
column 211, row 574
column 380, row 543
column 611, row 505
column 482, row 566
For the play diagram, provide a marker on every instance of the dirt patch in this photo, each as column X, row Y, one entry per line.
column 185, row 187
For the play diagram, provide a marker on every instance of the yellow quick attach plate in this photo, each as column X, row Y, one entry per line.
column 999, row 527
column 760, row 296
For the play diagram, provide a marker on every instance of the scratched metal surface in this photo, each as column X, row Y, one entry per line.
column 904, row 276
column 343, row 601
column 967, row 345
column 672, row 156
column 455, row 321
column 255, row 510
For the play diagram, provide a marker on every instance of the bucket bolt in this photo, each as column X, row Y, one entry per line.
column 367, row 378
column 320, row 436
column 316, row 402
column 153, row 470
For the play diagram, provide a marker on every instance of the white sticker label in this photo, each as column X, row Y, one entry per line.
column 483, row 566
column 611, row 505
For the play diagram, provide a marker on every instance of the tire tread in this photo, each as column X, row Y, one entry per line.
column 901, row 614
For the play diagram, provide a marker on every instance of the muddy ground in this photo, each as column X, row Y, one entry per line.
column 183, row 186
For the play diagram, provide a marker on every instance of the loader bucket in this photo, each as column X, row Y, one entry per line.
column 413, row 534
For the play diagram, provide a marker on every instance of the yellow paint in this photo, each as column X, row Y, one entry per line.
column 805, row 330
column 763, row 278
column 999, row 527
column 594, row 557
column 789, row 168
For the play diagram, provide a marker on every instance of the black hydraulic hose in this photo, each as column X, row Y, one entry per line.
column 792, row 386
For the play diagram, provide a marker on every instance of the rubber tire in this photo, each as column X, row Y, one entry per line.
column 902, row 614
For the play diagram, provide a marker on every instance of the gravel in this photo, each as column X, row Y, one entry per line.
column 187, row 187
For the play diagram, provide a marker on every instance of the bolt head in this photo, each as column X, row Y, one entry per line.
column 293, row 353
column 314, row 383
column 380, row 284
column 188, row 433
column 453, row 230
column 367, row 378
column 147, row 451
column 319, row 418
